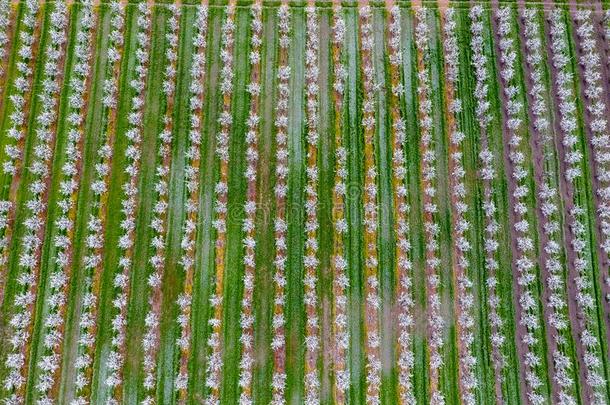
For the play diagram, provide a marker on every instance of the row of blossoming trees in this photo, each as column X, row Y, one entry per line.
column 314, row 203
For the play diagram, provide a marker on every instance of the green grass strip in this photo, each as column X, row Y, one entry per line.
column 409, row 108
column 49, row 250
column 326, row 182
column 12, row 288
column 353, row 136
column 295, row 216
column 234, row 268
column 110, row 256
column 265, row 237
column 204, row 264
column 510, row 371
column 95, row 123
column 154, row 112
column 449, row 371
column 172, row 283
column 386, row 241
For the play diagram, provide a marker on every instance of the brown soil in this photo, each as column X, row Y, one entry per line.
column 567, row 195
column 520, row 330
column 538, row 159
column 603, row 258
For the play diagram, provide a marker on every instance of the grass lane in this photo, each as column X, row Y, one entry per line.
column 465, row 123
column 263, row 282
column 294, row 308
column 204, row 264
column 469, row 126
column 472, row 147
column 353, row 136
column 386, row 240
column 153, row 118
column 172, row 283
column 449, row 374
column 111, row 252
column 49, row 253
column 95, row 123
column 234, row 266
column 12, row 288
column 501, row 197
column 469, row 338
column 326, row 165
column 409, row 108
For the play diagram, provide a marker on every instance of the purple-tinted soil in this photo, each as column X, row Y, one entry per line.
column 603, row 259
column 567, row 195
column 518, row 290
column 538, row 157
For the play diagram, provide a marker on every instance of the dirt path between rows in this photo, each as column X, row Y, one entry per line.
column 601, row 29
column 603, row 258
column 520, row 329
column 536, row 143
column 567, row 195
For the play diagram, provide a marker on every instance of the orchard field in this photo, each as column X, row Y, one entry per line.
column 304, row 202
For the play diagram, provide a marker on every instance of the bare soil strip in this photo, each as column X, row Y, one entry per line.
column 490, row 193
column 538, row 166
column 602, row 258
column 568, row 197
